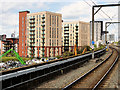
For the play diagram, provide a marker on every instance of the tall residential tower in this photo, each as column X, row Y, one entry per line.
column 44, row 30
column 75, row 33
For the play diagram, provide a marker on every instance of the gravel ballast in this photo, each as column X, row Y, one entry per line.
column 65, row 79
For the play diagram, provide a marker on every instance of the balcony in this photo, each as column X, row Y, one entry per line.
column 32, row 26
column 32, row 18
column 66, row 35
column 32, row 29
column 32, row 37
column 66, row 32
column 43, row 37
column 43, row 29
column 66, row 45
column 31, row 34
column 43, row 16
column 32, row 41
column 43, row 49
column 32, row 22
column 76, row 29
column 76, row 25
column 32, row 50
column 43, row 25
column 32, row 45
column 43, row 21
column 43, row 41
column 43, row 54
column 66, row 29
column 66, row 26
column 66, row 38
column 66, row 42
column 43, row 33
column 43, row 45
column 76, row 32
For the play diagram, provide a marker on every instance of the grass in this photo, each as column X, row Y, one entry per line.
column 4, row 59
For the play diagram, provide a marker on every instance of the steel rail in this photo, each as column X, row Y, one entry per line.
column 100, row 81
column 62, row 68
column 43, row 75
column 108, row 71
column 83, row 76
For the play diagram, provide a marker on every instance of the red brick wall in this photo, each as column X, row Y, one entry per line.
column 22, row 33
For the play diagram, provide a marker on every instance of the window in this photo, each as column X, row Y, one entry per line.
column 50, row 42
column 57, row 42
column 57, row 21
column 22, row 21
column 57, row 32
column 50, row 20
column 22, row 18
column 50, row 32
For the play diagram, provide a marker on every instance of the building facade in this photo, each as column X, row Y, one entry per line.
column 111, row 38
column 9, row 43
column 119, row 21
column 23, row 33
column 98, row 29
column 75, row 33
column 43, row 34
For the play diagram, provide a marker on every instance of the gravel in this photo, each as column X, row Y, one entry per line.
column 113, row 81
column 65, row 79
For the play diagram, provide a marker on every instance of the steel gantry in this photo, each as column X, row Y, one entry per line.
column 107, row 24
column 93, row 14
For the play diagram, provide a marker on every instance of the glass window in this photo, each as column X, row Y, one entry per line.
column 50, row 20
column 22, row 18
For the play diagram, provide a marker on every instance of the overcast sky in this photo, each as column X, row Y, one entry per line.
column 71, row 10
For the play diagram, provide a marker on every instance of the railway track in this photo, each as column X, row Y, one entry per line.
column 94, row 78
column 31, row 77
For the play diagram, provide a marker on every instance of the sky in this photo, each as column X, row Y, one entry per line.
column 71, row 10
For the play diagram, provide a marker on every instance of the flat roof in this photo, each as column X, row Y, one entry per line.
column 24, row 11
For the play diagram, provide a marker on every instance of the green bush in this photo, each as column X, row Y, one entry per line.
column 58, row 56
column 67, row 53
column 4, row 59
column 95, row 46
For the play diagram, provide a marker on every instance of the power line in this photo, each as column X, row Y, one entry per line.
column 91, row 6
column 102, row 11
column 87, row 3
column 105, row 13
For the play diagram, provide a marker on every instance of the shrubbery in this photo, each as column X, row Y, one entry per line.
column 4, row 59
column 58, row 56
column 67, row 53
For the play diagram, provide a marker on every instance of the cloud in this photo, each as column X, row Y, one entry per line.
column 9, row 15
column 76, row 11
column 82, row 10
column 28, row 1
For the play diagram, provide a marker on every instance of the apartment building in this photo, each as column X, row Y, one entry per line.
column 9, row 43
column 111, row 38
column 76, row 32
column 98, row 29
column 43, row 34
column 23, row 33
column 119, row 21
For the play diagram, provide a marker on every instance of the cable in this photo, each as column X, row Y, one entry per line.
column 105, row 13
column 102, row 11
column 91, row 6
